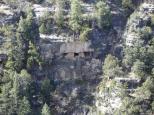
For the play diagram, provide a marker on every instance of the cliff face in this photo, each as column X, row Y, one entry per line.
column 75, row 67
column 109, row 101
column 75, row 73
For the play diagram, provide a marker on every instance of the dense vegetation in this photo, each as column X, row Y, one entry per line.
column 24, row 93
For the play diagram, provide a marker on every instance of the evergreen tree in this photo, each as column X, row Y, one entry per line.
column 33, row 57
column 127, row 4
column 128, row 107
column 19, row 53
column 5, row 99
column 22, row 25
column 43, row 29
column 25, row 81
column 103, row 14
column 28, row 28
column 75, row 16
column 84, row 36
column 59, row 14
column 46, row 90
column 45, row 110
column 111, row 67
column 16, row 91
column 138, row 69
column 10, row 94
column 24, row 107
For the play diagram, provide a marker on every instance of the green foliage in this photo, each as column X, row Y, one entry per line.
column 25, row 81
column 17, row 54
column 146, row 32
column 43, row 29
column 127, row 4
column 59, row 14
column 103, row 14
column 111, row 67
column 24, row 107
column 26, row 32
column 27, row 27
column 138, row 69
column 152, row 106
column 16, row 89
column 152, row 19
column 128, row 107
column 75, row 15
column 6, row 101
column 128, row 7
column 45, row 110
column 33, row 57
column 46, row 90
column 133, row 53
column 146, row 90
column 45, row 23
column 84, row 36
column 6, row 30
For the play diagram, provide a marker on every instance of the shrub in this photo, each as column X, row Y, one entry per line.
column 146, row 32
column 75, row 16
column 103, row 15
column 43, row 29
column 127, row 4
column 152, row 20
column 85, row 34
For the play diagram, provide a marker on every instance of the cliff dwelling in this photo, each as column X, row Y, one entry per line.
column 76, row 49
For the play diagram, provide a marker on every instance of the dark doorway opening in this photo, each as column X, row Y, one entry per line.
column 76, row 54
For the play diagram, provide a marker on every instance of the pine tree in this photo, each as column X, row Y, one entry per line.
column 46, row 90
column 138, row 69
column 25, row 81
column 24, row 107
column 75, row 16
column 10, row 94
column 15, row 94
column 33, row 56
column 59, row 14
column 5, row 100
column 103, row 14
column 111, row 67
column 127, row 4
column 43, row 29
column 45, row 110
